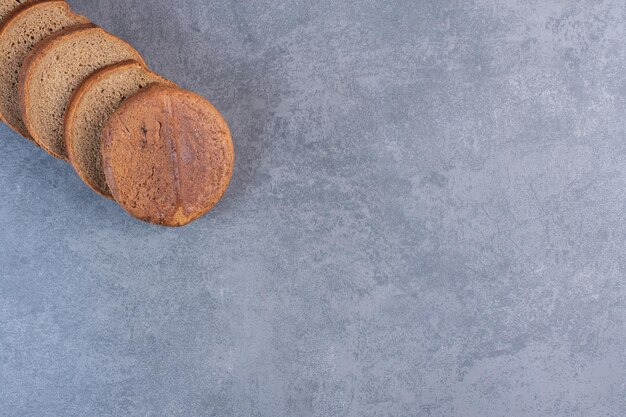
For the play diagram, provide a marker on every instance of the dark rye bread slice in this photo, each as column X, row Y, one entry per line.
column 168, row 155
column 19, row 34
column 9, row 6
column 54, row 69
column 89, row 109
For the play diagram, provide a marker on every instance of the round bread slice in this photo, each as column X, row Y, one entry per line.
column 89, row 109
column 19, row 34
column 51, row 72
column 10, row 6
column 168, row 155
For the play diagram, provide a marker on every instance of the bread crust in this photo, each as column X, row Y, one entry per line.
column 34, row 57
column 76, row 101
column 9, row 7
column 168, row 155
column 20, row 13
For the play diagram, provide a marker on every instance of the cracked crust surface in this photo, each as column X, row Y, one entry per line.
column 168, row 155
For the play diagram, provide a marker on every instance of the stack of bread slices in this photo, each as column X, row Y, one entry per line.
column 84, row 95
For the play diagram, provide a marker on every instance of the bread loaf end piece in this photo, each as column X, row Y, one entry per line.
column 168, row 155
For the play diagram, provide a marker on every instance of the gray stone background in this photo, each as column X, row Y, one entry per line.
column 427, row 219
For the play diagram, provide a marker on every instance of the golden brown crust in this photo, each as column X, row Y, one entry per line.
column 70, row 116
column 26, row 11
column 33, row 61
column 168, row 155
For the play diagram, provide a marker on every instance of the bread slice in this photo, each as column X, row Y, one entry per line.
column 89, row 109
column 54, row 69
column 168, row 155
column 19, row 34
column 9, row 6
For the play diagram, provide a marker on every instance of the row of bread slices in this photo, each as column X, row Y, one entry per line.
column 83, row 95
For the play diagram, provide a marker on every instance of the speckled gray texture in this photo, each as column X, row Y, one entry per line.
column 427, row 219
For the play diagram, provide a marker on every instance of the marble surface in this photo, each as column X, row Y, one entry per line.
column 427, row 219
